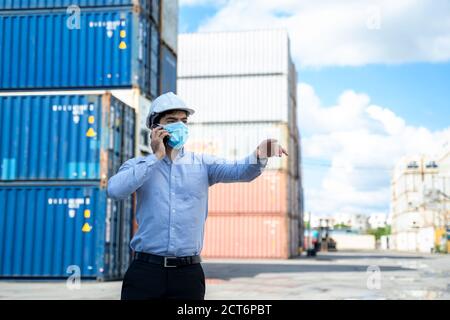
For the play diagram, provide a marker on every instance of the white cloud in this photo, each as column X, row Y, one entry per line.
column 193, row 3
column 392, row 123
column 362, row 142
column 350, row 32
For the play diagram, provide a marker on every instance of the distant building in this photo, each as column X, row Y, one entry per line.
column 356, row 222
column 377, row 220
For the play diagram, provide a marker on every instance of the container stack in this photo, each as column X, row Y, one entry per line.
column 76, row 83
column 243, row 87
column 57, row 151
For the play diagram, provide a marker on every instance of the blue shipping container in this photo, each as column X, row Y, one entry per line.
column 168, row 70
column 154, row 61
column 64, row 137
column 47, row 50
column 53, row 231
column 52, row 4
column 156, row 10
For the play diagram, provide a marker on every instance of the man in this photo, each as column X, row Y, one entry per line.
column 172, row 203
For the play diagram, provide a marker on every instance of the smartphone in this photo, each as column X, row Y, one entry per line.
column 166, row 139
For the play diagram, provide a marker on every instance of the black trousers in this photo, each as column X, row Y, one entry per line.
column 144, row 280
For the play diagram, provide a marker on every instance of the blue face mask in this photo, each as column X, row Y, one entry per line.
column 178, row 134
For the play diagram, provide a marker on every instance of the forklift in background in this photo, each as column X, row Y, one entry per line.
column 320, row 239
column 327, row 242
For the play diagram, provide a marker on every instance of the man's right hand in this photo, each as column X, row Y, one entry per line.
column 157, row 141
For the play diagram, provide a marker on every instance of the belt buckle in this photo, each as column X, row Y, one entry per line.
column 165, row 262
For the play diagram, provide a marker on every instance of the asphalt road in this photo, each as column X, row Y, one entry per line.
column 341, row 275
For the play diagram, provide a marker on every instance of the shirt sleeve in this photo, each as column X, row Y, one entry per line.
column 245, row 170
column 131, row 175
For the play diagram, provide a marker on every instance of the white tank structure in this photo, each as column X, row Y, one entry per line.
column 420, row 203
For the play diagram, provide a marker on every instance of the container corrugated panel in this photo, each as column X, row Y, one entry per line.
column 108, row 51
column 225, row 140
column 168, row 71
column 54, row 4
column 154, row 61
column 48, row 228
column 274, row 192
column 128, row 138
column 169, row 23
column 292, row 80
column 293, row 189
column 294, row 155
column 269, row 193
column 294, row 236
column 233, row 53
column 155, row 10
column 64, row 137
column 141, row 105
column 235, row 99
column 249, row 236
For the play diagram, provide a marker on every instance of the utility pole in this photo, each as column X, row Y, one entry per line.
column 310, row 251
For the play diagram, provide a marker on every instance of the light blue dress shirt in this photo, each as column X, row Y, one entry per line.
column 172, row 197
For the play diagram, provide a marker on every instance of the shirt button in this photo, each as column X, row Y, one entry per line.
column 173, row 210
column 173, row 193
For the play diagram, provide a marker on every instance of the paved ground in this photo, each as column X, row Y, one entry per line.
column 342, row 275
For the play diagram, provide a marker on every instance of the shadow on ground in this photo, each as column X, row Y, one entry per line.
column 332, row 257
column 227, row 271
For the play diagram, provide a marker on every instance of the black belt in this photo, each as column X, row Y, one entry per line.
column 167, row 261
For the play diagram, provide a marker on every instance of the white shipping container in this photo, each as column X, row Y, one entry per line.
column 235, row 141
column 233, row 53
column 234, row 99
column 292, row 80
column 141, row 104
column 169, row 23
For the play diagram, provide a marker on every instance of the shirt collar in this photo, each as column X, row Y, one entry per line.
column 179, row 155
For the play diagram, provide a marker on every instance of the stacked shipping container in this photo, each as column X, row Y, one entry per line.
column 58, row 148
column 169, row 44
column 110, row 48
column 57, row 152
column 104, row 44
column 242, row 85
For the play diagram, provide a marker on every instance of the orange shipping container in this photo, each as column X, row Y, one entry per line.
column 275, row 191
column 250, row 236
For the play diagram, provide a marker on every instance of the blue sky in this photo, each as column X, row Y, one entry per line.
column 191, row 17
column 343, row 59
column 418, row 92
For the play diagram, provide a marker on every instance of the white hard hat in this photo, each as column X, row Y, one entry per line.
column 165, row 102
